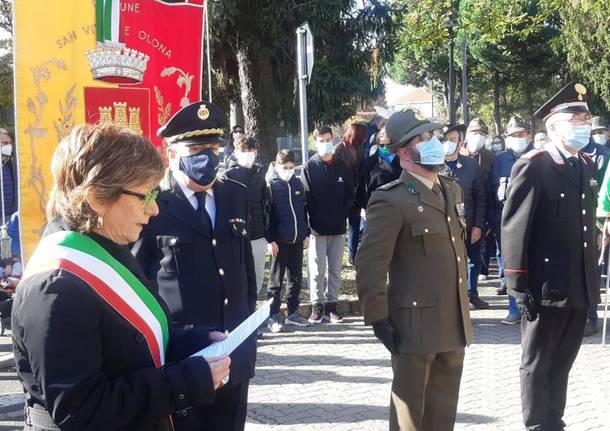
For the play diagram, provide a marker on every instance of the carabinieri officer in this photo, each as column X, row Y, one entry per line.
column 548, row 245
column 198, row 251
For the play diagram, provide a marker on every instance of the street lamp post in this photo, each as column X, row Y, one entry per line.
column 451, row 99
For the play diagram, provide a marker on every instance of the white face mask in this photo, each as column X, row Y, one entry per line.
column 325, row 148
column 285, row 174
column 7, row 150
column 599, row 138
column 474, row 142
column 449, row 147
column 518, row 145
column 245, row 158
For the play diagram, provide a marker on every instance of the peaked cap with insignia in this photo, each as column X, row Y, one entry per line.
column 477, row 125
column 405, row 125
column 598, row 123
column 570, row 99
column 516, row 124
column 198, row 123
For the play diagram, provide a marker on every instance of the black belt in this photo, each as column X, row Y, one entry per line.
column 38, row 417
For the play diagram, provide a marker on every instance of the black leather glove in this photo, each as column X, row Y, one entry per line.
column 386, row 333
column 526, row 305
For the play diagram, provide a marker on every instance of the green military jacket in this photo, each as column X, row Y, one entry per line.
column 411, row 265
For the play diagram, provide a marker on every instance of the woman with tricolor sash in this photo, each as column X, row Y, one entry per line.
column 93, row 347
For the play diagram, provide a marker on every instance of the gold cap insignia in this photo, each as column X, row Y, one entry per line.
column 581, row 90
column 203, row 112
column 418, row 115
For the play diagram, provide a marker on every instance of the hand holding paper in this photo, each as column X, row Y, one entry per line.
column 239, row 335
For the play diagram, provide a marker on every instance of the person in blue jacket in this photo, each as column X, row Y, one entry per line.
column 517, row 144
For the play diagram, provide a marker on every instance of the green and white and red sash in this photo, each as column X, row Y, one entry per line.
column 110, row 279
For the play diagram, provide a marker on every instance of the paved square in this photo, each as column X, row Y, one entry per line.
column 337, row 377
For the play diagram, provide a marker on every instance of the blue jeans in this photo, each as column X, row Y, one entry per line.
column 354, row 231
column 474, row 264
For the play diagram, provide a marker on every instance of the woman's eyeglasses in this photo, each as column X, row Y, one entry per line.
column 148, row 199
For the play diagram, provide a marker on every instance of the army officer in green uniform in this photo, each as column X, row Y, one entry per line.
column 415, row 238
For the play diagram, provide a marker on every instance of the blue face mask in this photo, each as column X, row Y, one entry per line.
column 386, row 155
column 431, row 152
column 201, row 167
column 578, row 137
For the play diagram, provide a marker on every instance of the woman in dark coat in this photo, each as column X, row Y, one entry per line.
column 351, row 151
column 93, row 346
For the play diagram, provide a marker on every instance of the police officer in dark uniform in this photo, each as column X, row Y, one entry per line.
column 548, row 245
column 517, row 144
column 473, row 180
column 197, row 249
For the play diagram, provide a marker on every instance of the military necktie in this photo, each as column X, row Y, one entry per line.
column 204, row 217
column 438, row 191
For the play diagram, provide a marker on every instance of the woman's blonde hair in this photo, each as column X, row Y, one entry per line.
column 102, row 160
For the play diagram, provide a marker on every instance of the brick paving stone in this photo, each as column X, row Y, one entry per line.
column 338, row 377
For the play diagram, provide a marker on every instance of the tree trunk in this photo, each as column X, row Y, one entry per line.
column 497, row 116
column 257, row 89
column 529, row 100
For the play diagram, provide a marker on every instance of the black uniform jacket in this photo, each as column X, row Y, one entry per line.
column 89, row 367
column 473, row 180
column 548, row 230
column 206, row 278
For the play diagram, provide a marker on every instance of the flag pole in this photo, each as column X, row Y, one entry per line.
column 207, row 38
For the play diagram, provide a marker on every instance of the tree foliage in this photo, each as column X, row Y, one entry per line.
column 585, row 38
column 6, row 57
column 514, row 61
column 254, row 57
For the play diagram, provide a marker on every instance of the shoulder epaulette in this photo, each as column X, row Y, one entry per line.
column 390, row 185
column 532, row 154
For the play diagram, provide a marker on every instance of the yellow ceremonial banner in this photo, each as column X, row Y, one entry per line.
column 51, row 69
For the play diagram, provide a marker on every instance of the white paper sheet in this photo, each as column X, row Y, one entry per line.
column 239, row 334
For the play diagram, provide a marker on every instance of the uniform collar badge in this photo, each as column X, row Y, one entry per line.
column 410, row 188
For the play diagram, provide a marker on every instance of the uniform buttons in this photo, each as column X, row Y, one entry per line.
column 221, row 271
column 582, row 196
column 453, row 238
column 459, row 259
column 426, row 230
column 226, row 301
column 214, row 242
column 585, row 244
column 546, row 259
column 181, row 396
column 414, row 303
column 461, row 280
column 449, row 219
column 584, row 212
column 562, row 195
column 584, row 228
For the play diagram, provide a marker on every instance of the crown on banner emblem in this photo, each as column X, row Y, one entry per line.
column 114, row 62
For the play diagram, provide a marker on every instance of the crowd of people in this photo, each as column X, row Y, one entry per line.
column 141, row 267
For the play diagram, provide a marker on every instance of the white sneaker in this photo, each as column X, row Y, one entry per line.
column 482, row 277
column 274, row 324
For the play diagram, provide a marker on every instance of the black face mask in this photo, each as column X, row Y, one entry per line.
column 201, row 167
